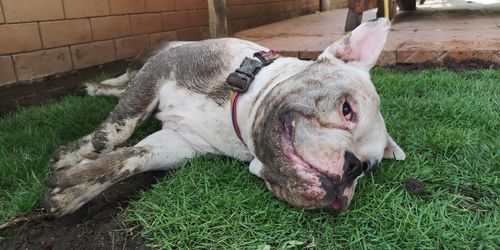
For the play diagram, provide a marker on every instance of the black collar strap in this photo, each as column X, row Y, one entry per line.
column 239, row 81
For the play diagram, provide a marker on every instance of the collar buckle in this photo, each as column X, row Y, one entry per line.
column 240, row 80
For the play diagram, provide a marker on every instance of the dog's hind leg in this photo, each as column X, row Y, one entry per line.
column 97, row 89
column 111, row 87
column 69, row 189
column 118, row 81
column 135, row 105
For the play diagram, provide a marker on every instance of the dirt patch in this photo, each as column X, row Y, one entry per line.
column 40, row 91
column 415, row 187
column 97, row 225
column 468, row 198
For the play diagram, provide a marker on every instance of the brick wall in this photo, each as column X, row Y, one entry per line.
column 39, row 38
column 338, row 4
column 245, row 14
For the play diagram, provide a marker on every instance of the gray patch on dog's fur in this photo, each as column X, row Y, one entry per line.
column 138, row 62
column 208, row 61
column 99, row 140
column 107, row 167
column 199, row 67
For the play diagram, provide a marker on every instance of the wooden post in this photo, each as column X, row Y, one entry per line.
column 217, row 19
column 325, row 5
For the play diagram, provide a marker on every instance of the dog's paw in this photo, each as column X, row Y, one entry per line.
column 71, row 154
column 66, row 192
column 91, row 88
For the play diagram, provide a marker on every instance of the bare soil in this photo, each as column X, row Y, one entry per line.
column 473, row 196
column 97, row 225
column 37, row 92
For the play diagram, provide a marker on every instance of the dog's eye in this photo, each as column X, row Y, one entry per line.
column 347, row 110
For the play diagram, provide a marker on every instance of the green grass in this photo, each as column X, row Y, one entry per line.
column 447, row 123
column 28, row 138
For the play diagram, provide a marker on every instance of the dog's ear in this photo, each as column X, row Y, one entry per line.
column 362, row 46
column 393, row 151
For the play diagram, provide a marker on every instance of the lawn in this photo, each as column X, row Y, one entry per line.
column 447, row 123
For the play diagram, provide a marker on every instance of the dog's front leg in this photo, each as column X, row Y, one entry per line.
column 68, row 189
column 135, row 105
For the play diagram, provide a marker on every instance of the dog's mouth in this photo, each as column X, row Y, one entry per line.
column 334, row 200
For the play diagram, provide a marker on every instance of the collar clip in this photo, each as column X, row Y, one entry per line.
column 240, row 80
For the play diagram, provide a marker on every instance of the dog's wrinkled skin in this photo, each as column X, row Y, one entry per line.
column 311, row 128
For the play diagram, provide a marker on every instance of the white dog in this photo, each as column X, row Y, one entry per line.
column 309, row 128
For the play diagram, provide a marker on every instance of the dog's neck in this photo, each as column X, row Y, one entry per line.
column 269, row 77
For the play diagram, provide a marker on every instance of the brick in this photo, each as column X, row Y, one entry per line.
column 7, row 73
column 418, row 56
column 159, row 5
column 19, row 37
column 244, row 24
column 32, row 10
column 110, row 27
column 232, row 2
column 275, row 8
column 127, row 6
column 131, row 46
column 190, row 34
column 387, row 58
column 87, row 8
column 191, row 4
column 60, row 33
column 283, row 7
column 289, row 53
column 43, row 63
column 90, row 54
column 198, row 18
column 444, row 57
column 2, row 20
column 146, row 23
column 488, row 55
column 158, row 38
column 293, row 14
column 300, row 4
column 455, row 56
column 309, row 55
column 313, row 4
column 339, row 4
column 175, row 20
column 205, row 32
column 242, row 11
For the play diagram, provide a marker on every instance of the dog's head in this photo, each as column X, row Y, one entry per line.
column 317, row 132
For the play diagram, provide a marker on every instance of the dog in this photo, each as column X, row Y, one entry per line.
column 310, row 129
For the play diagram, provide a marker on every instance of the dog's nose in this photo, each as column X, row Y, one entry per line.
column 353, row 167
column 338, row 204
